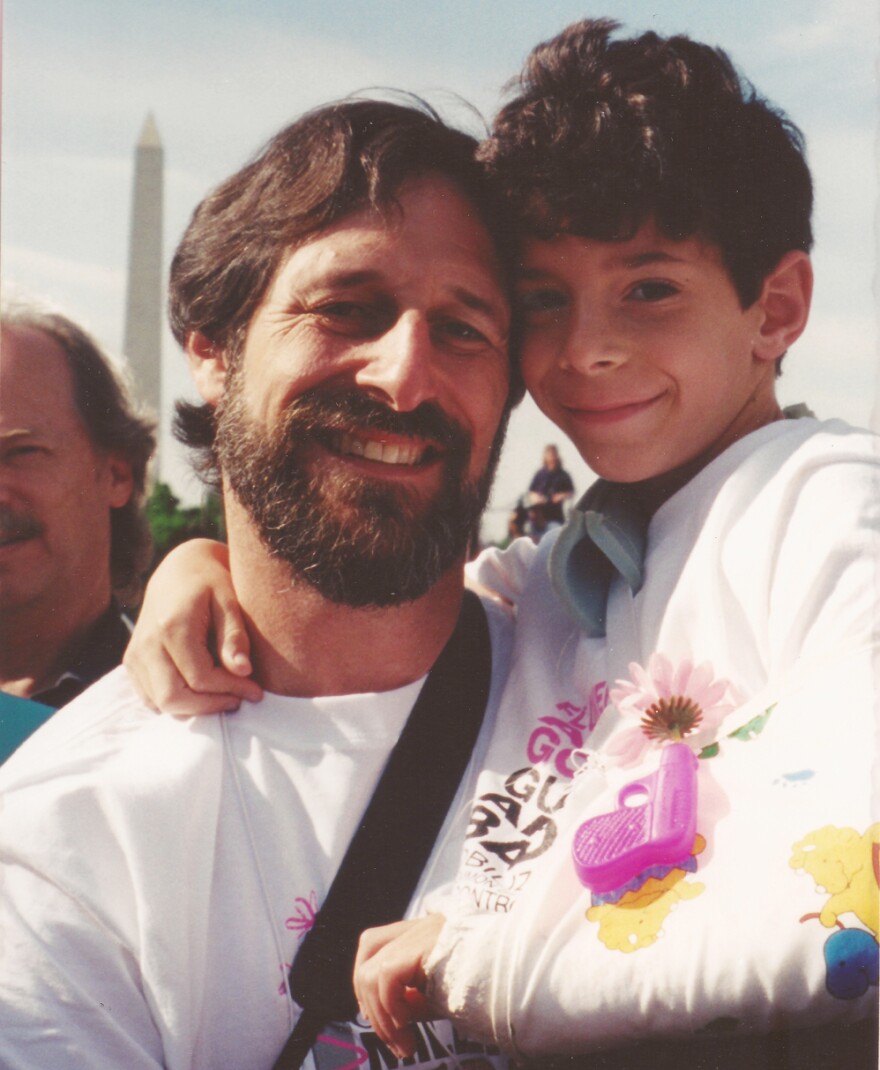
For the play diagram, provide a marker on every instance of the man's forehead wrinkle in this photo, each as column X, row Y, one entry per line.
column 353, row 277
column 18, row 432
column 360, row 276
column 342, row 277
column 477, row 302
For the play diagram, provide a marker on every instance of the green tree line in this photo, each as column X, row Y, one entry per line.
column 171, row 523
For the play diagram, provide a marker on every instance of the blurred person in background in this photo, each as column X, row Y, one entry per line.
column 551, row 487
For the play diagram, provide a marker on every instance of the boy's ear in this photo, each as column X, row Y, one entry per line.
column 785, row 305
column 207, row 365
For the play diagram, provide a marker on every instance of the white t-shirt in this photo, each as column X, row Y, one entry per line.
column 157, row 875
column 764, row 570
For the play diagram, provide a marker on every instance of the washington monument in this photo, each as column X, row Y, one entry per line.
column 143, row 311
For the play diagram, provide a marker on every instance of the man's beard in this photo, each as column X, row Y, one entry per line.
column 359, row 541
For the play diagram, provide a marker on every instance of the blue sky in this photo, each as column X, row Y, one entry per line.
column 222, row 75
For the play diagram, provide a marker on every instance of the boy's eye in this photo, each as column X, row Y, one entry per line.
column 535, row 302
column 652, row 291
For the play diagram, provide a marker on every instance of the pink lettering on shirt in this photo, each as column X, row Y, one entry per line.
column 557, row 737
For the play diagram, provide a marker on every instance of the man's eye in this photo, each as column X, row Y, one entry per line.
column 21, row 452
column 652, row 291
column 352, row 316
column 462, row 334
column 536, row 302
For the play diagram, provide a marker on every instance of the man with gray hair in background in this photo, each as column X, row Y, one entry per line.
column 74, row 541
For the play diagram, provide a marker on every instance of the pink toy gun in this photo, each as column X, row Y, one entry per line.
column 655, row 823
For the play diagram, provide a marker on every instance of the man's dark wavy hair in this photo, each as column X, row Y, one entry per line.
column 332, row 161
column 114, row 425
column 604, row 134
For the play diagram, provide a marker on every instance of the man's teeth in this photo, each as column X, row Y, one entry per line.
column 384, row 452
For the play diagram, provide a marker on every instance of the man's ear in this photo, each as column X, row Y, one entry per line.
column 785, row 305
column 121, row 482
column 207, row 365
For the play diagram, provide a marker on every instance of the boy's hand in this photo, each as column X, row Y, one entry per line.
column 189, row 611
column 389, row 979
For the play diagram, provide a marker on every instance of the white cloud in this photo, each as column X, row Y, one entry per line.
column 850, row 25
column 89, row 293
column 19, row 262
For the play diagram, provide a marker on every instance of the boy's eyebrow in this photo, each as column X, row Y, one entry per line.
column 629, row 261
column 653, row 256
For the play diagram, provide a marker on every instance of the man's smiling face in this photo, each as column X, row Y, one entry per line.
column 360, row 424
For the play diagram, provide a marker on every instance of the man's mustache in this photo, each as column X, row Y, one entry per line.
column 351, row 409
column 15, row 526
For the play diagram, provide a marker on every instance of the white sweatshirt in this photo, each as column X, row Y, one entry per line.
column 764, row 570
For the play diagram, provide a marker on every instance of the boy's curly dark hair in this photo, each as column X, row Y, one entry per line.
column 604, row 134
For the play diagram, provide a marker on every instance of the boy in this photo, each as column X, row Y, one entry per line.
column 717, row 588
column 666, row 218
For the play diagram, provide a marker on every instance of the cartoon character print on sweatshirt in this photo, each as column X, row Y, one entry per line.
column 632, row 917
column 845, row 867
column 513, row 825
column 670, row 703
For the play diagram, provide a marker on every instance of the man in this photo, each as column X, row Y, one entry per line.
column 356, row 390
column 73, row 536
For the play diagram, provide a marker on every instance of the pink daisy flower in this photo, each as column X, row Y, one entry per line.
column 673, row 704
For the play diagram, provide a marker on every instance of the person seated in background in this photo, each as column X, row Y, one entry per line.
column 74, row 539
column 538, row 522
column 551, row 487
column 516, row 524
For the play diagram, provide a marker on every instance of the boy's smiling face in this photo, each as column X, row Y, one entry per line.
column 641, row 352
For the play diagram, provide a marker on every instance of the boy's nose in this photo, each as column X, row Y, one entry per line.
column 399, row 368
column 591, row 346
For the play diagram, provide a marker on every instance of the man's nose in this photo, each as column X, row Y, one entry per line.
column 401, row 366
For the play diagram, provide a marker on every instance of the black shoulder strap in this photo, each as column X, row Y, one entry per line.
column 391, row 847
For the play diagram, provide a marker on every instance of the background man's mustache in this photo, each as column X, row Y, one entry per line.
column 15, row 525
